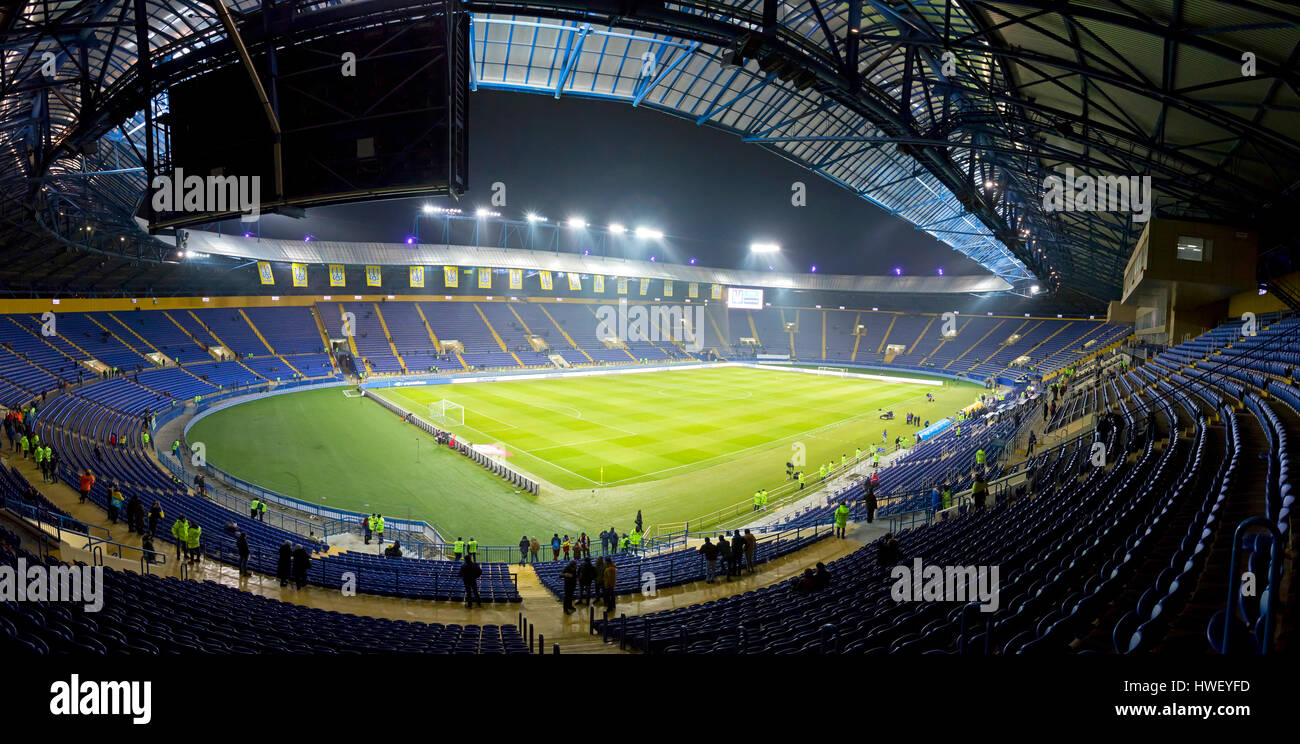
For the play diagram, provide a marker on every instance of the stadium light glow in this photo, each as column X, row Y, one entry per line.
column 814, row 268
column 577, row 223
column 652, row 259
column 692, row 260
column 617, row 229
column 898, row 271
column 764, row 248
column 534, row 217
column 485, row 212
column 410, row 240
column 428, row 209
column 940, row 271
column 650, row 233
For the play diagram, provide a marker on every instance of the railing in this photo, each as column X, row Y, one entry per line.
column 95, row 543
column 60, row 522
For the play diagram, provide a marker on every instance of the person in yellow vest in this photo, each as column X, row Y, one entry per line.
column 634, row 539
column 144, row 437
column 763, row 501
column 857, row 453
column 875, row 459
column 800, row 480
column 844, row 459
column 180, row 532
column 841, row 518
column 624, row 543
column 471, row 548
column 980, row 457
column 253, row 508
column 758, row 500
column 379, row 528
column 458, row 548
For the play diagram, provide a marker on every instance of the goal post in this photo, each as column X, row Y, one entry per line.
column 447, row 413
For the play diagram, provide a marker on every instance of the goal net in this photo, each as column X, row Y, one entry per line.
column 839, row 370
column 447, row 413
column 353, row 393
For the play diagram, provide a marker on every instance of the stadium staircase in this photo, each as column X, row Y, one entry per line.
column 565, row 334
column 496, row 336
column 256, row 332
column 383, row 325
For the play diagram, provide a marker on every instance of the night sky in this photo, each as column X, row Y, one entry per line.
column 610, row 162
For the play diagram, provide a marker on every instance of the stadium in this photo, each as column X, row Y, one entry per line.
column 965, row 329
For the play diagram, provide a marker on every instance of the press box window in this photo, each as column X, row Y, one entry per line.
column 1193, row 249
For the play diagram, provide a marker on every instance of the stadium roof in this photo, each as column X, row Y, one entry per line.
column 948, row 113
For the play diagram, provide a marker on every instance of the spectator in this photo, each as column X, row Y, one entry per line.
column 737, row 552
column 724, row 556
column 555, row 547
column 84, row 483
column 282, row 565
column 980, row 491
column 888, row 553
column 394, row 550
column 586, row 575
column 871, row 500
column 301, row 562
column 805, row 583
column 570, row 577
column 611, row 581
column 533, row 548
column 524, row 544
column 751, row 550
column 710, row 553
column 822, row 578
column 241, row 544
column 114, row 503
column 469, row 573
column 155, row 515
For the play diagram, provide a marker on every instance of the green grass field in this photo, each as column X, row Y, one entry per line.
column 674, row 444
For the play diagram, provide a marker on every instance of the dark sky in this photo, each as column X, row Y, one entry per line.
column 610, row 162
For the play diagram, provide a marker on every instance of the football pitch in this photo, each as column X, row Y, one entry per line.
column 674, row 444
